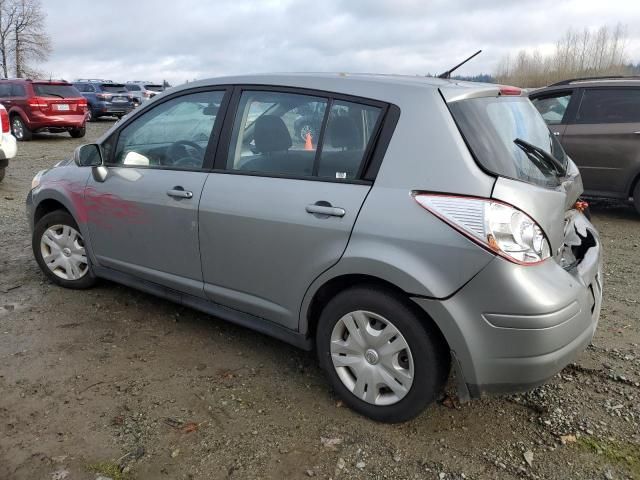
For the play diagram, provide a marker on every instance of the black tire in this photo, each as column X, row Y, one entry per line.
column 78, row 132
column 91, row 116
column 20, row 130
column 431, row 360
column 59, row 217
column 2, row 172
column 636, row 197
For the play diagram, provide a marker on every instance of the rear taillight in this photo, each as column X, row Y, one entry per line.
column 496, row 226
column 4, row 120
column 508, row 90
column 82, row 104
column 38, row 103
column 103, row 96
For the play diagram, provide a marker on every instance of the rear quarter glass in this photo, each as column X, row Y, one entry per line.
column 490, row 125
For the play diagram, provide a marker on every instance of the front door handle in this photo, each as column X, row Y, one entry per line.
column 325, row 209
column 179, row 192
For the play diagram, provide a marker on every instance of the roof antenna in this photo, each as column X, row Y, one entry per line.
column 447, row 74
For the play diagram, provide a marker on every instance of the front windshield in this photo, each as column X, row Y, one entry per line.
column 490, row 125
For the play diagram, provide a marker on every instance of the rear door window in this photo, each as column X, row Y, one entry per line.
column 554, row 107
column 609, row 105
column 5, row 90
column 266, row 136
column 301, row 135
column 348, row 133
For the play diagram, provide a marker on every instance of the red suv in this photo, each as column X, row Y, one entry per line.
column 43, row 106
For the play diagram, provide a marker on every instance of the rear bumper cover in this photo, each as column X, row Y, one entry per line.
column 512, row 327
column 42, row 122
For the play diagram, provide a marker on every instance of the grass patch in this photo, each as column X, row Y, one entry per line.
column 614, row 452
column 108, row 469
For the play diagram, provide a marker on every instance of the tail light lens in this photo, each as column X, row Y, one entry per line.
column 103, row 96
column 38, row 103
column 4, row 120
column 496, row 226
column 82, row 104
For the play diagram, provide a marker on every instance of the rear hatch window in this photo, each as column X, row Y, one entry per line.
column 133, row 88
column 113, row 88
column 58, row 91
column 491, row 127
column 154, row 88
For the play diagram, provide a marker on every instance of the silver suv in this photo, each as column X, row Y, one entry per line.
column 429, row 224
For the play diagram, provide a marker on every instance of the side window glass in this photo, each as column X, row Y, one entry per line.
column 17, row 90
column 347, row 135
column 553, row 108
column 5, row 89
column 616, row 105
column 175, row 134
column 276, row 133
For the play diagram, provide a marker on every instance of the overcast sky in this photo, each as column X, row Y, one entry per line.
column 189, row 39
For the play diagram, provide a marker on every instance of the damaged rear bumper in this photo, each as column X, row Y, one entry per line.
column 513, row 327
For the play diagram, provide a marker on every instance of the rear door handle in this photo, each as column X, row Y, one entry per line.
column 327, row 210
column 179, row 192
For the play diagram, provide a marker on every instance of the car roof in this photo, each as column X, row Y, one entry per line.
column 619, row 81
column 384, row 87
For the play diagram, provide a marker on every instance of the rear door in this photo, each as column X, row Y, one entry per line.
column 143, row 218
column 278, row 209
column 604, row 139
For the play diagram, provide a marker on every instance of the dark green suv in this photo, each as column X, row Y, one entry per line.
column 598, row 123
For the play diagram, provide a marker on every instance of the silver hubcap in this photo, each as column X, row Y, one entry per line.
column 306, row 130
column 63, row 252
column 372, row 358
column 18, row 130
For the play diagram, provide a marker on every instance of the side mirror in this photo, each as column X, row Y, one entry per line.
column 89, row 155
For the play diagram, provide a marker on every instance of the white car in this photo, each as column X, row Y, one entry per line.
column 8, row 144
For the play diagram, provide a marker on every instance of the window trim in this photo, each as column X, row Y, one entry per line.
column 214, row 138
column 365, row 175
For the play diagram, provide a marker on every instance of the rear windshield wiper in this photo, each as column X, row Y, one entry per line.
column 541, row 156
column 54, row 95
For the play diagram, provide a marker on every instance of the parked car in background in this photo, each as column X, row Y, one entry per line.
column 43, row 106
column 144, row 90
column 8, row 147
column 105, row 98
column 432, row 223
column 597, row 120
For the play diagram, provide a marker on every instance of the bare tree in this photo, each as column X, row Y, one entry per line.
column 576, row 54
column 8, row 11
column 30, row 40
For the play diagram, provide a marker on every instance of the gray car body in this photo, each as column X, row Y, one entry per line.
column 245, row 249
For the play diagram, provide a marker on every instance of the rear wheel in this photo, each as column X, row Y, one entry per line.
column 636, row 197
column 381, row 357
column 60, row 251
column 2, row 172
column 78, row 132
column 20, row 130
column 90, row 115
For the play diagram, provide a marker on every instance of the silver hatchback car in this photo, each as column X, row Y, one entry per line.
column 428, row 225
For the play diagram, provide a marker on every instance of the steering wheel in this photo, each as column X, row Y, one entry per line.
column 193, row 157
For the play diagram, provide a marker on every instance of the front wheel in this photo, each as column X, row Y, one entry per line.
column 20, row 130
column 78, row 132
column 60, row 251
column 381, row 357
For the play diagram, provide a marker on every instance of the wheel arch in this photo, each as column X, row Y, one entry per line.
column 46, row 206
column 334, row 285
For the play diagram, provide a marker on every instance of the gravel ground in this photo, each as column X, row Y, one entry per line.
column 115, row 383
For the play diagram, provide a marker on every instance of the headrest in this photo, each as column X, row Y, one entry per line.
column 343, row 133
column 271, row 134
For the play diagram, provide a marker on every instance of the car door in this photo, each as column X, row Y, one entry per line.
column 278, row 210
column 604, row 140
column 143, row 217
